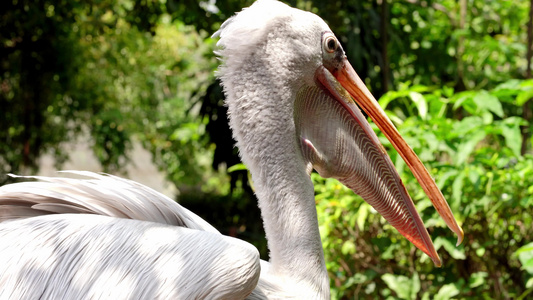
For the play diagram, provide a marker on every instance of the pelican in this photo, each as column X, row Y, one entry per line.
column 291, row 95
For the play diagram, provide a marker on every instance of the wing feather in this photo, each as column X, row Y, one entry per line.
column 67, row 256
column 107, row 195
column 98, row 194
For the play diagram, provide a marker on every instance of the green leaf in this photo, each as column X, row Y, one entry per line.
column 467, row 125
column 477, row 279
column 390, row 96
column 513, row 84
column 415, row 288
column 513, row 138
column 525, row 256
column 485, row 101
column 456, row 253
column 437, row 108
column 237, row 167
column 457, row 188
column 523, row 97
column 462, row 99
column 441, row 180
column 468, row 145
column 487, row 118
column 404, row 287
column 447, row 291
column 473, row 175
column 389, row 252
column 420, row 103
column 348, row 247
column 510, row 129
column 525, row 248
column 394, row 118
column 185, row 133
column 357, row 278
column 362, row 215
column 447, row 91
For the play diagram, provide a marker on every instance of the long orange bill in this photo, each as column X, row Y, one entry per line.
column 349, row 79
column 339, row 142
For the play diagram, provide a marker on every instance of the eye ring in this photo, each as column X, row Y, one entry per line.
column 330, row 43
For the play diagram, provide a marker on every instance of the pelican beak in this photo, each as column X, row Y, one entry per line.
column 388, row 196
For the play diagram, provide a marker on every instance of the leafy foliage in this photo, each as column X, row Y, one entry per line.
column 429, row 45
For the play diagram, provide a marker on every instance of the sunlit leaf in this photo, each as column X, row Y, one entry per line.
column 362, row 215
column 467, row 125
column 457, row 188
column 237, row 167
column 446, row 292
column 348, row 247
column 441, row 180
column 477, row 279
column 510, row 128
column 404, row 287
column 524, row 96
column 468, row 144
column 525, row 256
column 420, row 103
column 486, row 101
column 460, row 98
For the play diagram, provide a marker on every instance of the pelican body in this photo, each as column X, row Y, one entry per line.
column 290, row 93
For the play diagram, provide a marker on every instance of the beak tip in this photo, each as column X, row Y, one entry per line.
column 460, row 237
column 437, row 262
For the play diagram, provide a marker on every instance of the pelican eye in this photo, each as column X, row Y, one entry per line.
column 330, row 44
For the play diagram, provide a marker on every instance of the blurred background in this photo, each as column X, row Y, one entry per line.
column 127, row 87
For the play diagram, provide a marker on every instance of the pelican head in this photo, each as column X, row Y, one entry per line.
column 293, row 95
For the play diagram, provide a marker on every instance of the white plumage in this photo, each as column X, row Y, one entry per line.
column 142, row 255
column 107, row 237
